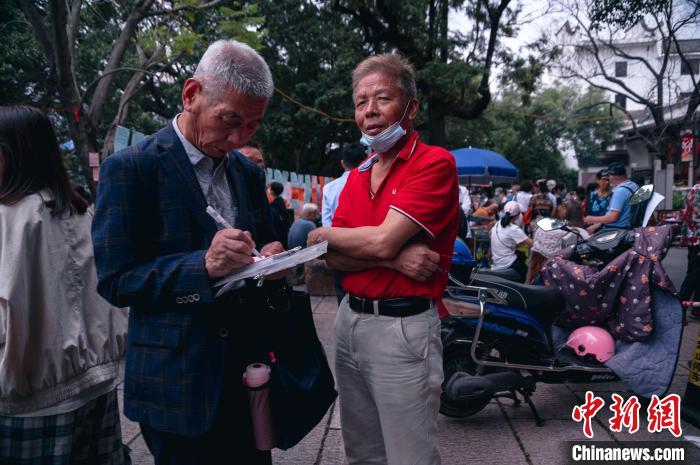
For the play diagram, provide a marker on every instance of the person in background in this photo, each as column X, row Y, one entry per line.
column 253, row 152
column 465, row 201
column 280, row 215
column 597, row 201
column 506, row 236
column 499, row 196
column 486, row 215
column 523, row 196
column 560, row 191
column 298, row 233
column 485, row 194
column 542, row 203
column 514, row 189
column 351, row 156
column 552, row 192
column 690, row 289
column 60, row 341
column 303, row 226
column 618, row 214
column 546, row 244
column 572, row 208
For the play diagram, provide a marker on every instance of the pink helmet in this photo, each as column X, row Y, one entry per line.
column 592, row 340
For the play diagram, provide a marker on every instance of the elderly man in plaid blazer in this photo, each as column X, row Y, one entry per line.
column 158, row 252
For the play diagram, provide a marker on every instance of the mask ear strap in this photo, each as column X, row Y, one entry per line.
column 405, row 111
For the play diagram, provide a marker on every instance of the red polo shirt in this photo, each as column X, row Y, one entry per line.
column 422, row 185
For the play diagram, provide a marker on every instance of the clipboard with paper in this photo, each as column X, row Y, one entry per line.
column 270, row 265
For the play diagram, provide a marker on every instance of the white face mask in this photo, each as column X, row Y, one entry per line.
column 386, row 139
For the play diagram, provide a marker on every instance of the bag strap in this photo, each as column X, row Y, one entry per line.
column 628, row 188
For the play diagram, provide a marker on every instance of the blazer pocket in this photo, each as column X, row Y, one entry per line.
column 167, row 337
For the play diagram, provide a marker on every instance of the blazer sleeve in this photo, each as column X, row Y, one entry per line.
column 118, row 229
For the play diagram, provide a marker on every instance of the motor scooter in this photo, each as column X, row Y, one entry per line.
column 498, row 341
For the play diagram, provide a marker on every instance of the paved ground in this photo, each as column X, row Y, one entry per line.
column 501, row 434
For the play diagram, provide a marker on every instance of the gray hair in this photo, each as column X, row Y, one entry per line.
column 233, row 64
column 392, row 65
column 308, row 208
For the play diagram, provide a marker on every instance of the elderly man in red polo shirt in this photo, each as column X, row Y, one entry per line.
column 402, row 199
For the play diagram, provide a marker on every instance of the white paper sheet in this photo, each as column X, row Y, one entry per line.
column 654, row 202
column 271, row 265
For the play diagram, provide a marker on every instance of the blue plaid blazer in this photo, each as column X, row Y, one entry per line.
column 150, row 234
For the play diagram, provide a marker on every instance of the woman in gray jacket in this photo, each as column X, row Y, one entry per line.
column 60, row 342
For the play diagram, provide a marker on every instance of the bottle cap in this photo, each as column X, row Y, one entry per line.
column 256, row 375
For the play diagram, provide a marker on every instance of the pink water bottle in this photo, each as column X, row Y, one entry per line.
column 257, row 378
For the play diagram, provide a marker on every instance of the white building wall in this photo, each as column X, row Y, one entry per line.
column 576, row 59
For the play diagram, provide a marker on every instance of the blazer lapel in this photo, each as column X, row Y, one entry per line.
column 177, row 166
column 237, row 182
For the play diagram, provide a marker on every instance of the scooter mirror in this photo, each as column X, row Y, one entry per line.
column 550, row 224
column 642, row 194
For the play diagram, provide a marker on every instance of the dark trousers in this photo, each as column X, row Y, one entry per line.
column 690, row 289
column 339, row 291
column 519, row 265
column 230, row 439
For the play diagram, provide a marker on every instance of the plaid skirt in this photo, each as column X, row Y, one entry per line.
column 88, row 435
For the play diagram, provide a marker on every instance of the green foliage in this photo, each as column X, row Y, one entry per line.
column 23, row 69
column 311, row 53
column 312, row 48
column 183, row 35
column 623, row 13
column 535, row 136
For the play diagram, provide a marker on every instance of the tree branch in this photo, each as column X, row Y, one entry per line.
column 601, row 66
column 73, row 22
column 484, row 91
column 178, row 9
column 31, row 12
column 695, row 97
column 128, row 30
column 622, row 54
column 590, row 82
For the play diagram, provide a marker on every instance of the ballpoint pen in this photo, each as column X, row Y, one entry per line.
column 224, row 224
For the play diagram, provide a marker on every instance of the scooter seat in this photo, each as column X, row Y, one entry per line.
column 540, row 301
column 506, row 273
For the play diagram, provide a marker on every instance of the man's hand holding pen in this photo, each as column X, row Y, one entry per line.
column 230, row 249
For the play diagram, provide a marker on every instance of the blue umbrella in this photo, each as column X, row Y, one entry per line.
column 481, row 166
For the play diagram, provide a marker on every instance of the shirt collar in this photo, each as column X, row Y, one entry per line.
column 405, row 153
column 193, row 153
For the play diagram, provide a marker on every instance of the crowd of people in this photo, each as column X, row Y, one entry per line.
column 507, row 218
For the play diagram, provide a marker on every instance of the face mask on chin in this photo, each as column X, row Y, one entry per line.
column 386, row 139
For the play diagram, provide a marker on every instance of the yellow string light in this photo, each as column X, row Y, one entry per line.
column 315, row 110
column 513, row 112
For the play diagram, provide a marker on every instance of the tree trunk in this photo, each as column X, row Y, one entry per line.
column 436, row 124
column 68, row 89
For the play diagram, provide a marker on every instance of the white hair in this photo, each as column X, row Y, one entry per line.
column 233, row 64
column 308, row 208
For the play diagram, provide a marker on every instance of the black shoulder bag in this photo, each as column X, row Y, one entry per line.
column 302, row 385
